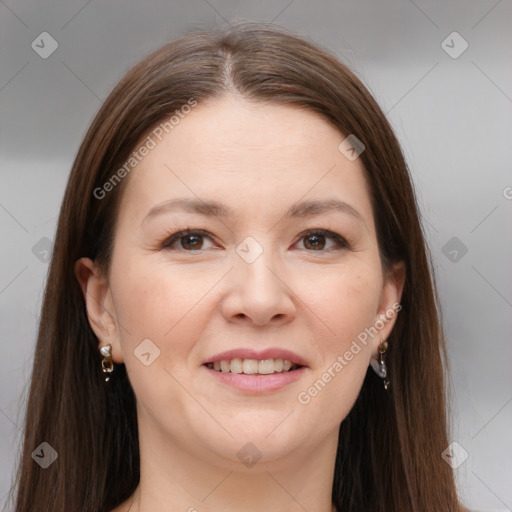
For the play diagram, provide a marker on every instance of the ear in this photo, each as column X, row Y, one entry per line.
column 99, row 305
column 389, row 304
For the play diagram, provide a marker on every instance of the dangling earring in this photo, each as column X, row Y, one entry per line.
column 107, row 365
column 379, row 365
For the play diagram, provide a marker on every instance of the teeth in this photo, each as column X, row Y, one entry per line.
column 250, row 366
column 266, row 366
column 253, row 366
column 236, row 365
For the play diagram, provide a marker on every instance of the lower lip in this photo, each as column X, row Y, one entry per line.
column 257, row 383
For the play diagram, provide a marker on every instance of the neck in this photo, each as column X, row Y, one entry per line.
column 173, row 479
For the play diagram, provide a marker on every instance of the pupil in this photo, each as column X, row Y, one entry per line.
column 317, row 242
column 195, row 241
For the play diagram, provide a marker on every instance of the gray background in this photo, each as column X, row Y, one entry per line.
column 452, row 116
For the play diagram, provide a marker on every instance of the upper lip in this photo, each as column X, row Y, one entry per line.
column 248, row 353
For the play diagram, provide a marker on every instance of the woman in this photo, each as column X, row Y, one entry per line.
column 240, row 312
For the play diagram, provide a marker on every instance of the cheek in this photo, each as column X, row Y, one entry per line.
column 160, row 301
column 345, row 304
column 346, row 301
column 170, row 305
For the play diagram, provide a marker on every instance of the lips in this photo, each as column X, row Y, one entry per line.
column 256, row 373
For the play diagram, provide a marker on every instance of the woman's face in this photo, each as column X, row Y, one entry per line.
column 272, row 271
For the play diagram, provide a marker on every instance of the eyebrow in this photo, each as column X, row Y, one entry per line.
column 217, row 209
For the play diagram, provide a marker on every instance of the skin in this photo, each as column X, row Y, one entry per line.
column 258, row 159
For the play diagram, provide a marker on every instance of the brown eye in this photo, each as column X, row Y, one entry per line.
column 189, row 241
column 316, row 240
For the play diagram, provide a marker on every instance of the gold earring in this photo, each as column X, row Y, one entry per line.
column 107, row 365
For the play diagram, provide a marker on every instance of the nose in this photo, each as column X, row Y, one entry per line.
column 259, row 293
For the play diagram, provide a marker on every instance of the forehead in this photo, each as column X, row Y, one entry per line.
column 246, row 154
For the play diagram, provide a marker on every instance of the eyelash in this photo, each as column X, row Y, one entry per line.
column 169, row 240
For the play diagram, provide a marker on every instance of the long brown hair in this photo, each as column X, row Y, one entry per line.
column 390, row 444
